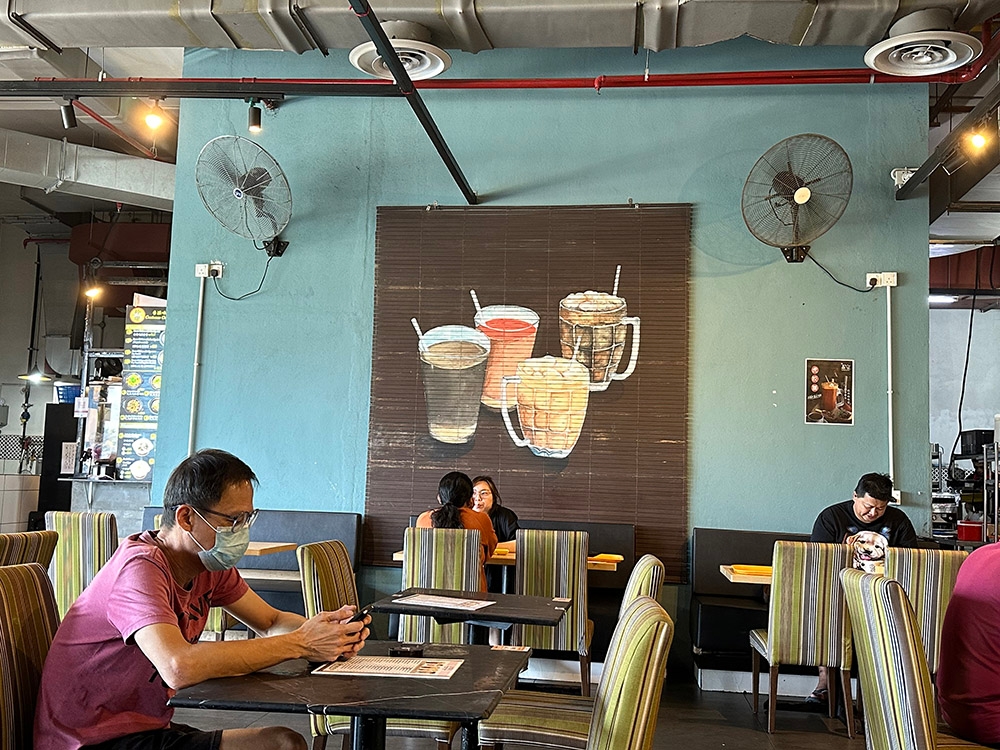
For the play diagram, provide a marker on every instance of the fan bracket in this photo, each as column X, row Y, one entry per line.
column 275, row 247
column 795, row 253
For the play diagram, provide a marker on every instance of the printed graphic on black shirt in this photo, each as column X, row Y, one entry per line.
column 869, row 549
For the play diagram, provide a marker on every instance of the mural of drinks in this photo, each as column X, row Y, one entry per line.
column 492, row 364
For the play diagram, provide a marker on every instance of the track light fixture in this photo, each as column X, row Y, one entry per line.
column 253, row 117
column 955, row 161
column 155, row 117
column 68, row 115
column 977, row 139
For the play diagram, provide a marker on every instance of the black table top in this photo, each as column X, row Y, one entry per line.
column 507, row 608
column 472, row 693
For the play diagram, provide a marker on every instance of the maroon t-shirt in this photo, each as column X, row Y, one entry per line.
column 968, row 678
column 96, row 683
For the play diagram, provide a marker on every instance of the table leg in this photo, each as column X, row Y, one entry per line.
column 368, row 733
column 470, row 735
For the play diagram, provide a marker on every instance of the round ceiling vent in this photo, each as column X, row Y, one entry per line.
column 923, row 53
column 420, row 58
column 922, row 44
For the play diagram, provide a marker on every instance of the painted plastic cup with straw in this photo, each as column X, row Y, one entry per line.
column 511, row 330
column 599, row 321
column 452, row 366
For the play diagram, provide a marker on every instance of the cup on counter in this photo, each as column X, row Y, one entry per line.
column 453, row 367
column 551, row 402
column 511, row 331
column 592, row 330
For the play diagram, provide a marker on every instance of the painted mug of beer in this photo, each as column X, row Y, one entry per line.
column 592, row 330
column 551, row 399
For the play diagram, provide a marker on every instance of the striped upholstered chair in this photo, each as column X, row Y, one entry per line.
column 558, row 720
column 807, row 621
column 554, row 564
column 899, row 702
column 625, row 706
column 327, row 585
column 20, row 547
column 86, row 542
column 928, row 578
column 28, row 621
column 438, row 559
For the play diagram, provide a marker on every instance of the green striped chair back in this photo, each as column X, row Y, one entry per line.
column 327, row 576
column 28, row 621
column 899, row 701
column 628, row 698
column 928, row 578
column 438, row 559
column 554, row 564
column 646, row 579
column 807, row 621
column 86, row 542
column 22, row 547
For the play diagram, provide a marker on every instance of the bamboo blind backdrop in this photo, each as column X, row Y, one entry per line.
column 629, row 465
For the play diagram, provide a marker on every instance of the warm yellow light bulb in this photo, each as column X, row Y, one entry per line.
column 154, row 118
column 94, row 291
column 978, row 140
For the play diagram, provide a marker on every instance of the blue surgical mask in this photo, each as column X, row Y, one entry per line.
column 229, row 547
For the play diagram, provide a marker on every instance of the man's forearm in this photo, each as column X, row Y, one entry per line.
column 285, row 622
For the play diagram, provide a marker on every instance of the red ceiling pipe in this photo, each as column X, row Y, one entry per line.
column 45, row 240
column 115, row 129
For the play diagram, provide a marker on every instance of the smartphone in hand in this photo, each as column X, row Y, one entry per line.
column 361, row 614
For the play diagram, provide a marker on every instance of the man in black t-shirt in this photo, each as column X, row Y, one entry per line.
column 870, row 526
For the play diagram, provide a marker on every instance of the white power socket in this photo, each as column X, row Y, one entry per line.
column 209, row 270
column 882, row 278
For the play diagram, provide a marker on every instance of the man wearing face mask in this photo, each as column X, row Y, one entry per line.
column 132, row 638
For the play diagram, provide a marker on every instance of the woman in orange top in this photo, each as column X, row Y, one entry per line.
column 455, row 496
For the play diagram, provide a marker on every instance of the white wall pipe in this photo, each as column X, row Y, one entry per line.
column 888, row 370
column 197, row 366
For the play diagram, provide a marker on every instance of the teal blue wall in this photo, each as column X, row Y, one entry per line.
column 285, row 380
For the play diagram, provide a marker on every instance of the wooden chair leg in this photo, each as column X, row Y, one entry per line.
column 755, row 672
column 585, row 674
column 319, row 742
column 772, row 706
column 845, row 679
column 831, row 691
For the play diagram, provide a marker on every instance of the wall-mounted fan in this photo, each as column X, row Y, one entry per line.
column 796, row 192
column 243, row 187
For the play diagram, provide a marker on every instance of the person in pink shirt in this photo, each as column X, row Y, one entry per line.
column 968, row 678
column 132, row 638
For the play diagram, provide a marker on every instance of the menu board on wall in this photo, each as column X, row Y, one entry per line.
column 140, row 406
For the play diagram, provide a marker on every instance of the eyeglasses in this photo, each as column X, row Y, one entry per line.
column 239, row 522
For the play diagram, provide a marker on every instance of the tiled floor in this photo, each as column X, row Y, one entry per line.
column 688, row 719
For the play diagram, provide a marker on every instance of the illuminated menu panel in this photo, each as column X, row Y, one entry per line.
column 140, row 406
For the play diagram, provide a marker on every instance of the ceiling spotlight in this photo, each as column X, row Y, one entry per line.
column 68, row 115
column 978, row 140
column 955, row 161
column 154, row 118
column 35, row 375
column 253, row 117
column 92, row 291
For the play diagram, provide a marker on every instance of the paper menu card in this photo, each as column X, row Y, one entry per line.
column 393, row 666
column 444, row 602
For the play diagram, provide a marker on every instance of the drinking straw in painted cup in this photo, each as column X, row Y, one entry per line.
column 551, row 401
column 511, row 331
column 452, row 366
column 597, row 320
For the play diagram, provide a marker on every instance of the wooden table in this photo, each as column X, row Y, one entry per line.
column 256, row 549
column 511, row 559
column 727, row 571
column 471, row 694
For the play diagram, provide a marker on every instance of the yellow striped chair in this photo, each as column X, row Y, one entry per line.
column 899, row 702
column 438, row 559
column 928, row 578
column 554, row 564
column 86, row 542
column 555, row 720
column 807, row 621
column 22, row 547
column 327, row 585
column 28, row 621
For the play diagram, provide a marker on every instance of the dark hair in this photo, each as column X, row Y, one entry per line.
column 200, row 479
column 876, row 486
column 454, row 493
column 493, row 487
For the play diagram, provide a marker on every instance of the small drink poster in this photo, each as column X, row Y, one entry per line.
column 143, row 360
column 829, row 391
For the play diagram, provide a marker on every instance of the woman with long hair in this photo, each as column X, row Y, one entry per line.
column 486, row 499
column 455, row 498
